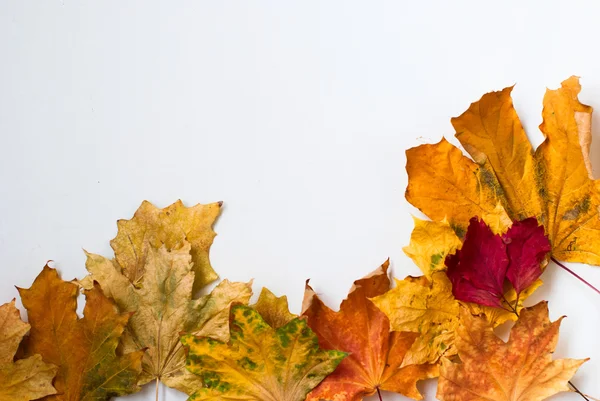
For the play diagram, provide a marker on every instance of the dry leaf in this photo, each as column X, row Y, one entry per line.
column 520, row 370
column 430, row 243
column 425, row 307
column 168, row 226
column 376, row 355
column 163, row 308
column 478, row 270
column 552, row 184
column 83, row 349
column 24, row 379
column 259, row 363
column 274, row 310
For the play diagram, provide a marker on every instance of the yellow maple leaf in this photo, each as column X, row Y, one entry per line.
column 274, row 310
column 24, row 379
column 430, row 243
column 426, row 307
column 520, row 370
column 168, row 226
column 553, row 183
column 260, row 363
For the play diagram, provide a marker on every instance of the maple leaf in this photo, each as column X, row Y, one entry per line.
column 25, row 379
column 259, row 363
column 426, row 307
column 83, row 349
column 376, row 355
column 168, row 226
column 553, row 183
column 478, row 270
column 520, row 370
column 274, row 310
column 164, row 308
column 430, row 243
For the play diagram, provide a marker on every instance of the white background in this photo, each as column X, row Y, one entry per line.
column 296, row 114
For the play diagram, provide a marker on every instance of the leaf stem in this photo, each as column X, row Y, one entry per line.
column 512, row 309
column 381, row 399
column 157, row 382
column 578, row 392
column 575, row 274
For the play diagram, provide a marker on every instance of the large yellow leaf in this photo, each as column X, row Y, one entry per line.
column 553, row 184
column 260, row 363
column 490, row 131
column 24, row 379
column 571, row 198
column 163, row 308
column 520, row 370
column 168, row 226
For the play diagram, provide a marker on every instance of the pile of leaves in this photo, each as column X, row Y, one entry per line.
column 497, row 220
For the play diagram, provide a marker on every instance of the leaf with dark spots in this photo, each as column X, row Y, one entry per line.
column 259, row 363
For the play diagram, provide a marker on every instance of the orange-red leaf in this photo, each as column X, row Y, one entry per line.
column 376, row 354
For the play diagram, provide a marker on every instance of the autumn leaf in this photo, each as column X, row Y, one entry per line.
column 168, row 226
column 83, row 349
column 259, row 363
column 163, row 307
column 553, row 183
column 430, row 243
column 426, row 307
column 479, row 269
column 24, row 379
column 274, row 310
column 376, row 355
column 520, row 370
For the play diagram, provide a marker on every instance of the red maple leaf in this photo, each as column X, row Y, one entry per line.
column 479, row 269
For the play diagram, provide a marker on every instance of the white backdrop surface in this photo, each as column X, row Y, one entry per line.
column 295, row 114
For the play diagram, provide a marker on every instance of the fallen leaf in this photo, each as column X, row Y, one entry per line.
column 497, row 316
column 24, row 379
column 553, row 183
column 274, row 310
column 163, row 308
column 526, row 247
column 168, row 226
column 520, row 370
column 445, row 184
column 479, row 269
column 430, row 243
column 426, row 307
column 83, row 349
column 259, row 363
column 376, row 355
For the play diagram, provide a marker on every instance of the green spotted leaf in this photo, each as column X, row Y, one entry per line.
column 259, row 362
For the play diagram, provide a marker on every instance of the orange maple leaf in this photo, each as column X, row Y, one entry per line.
column 83, row 349
column 521, row 369
column 376, row 354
